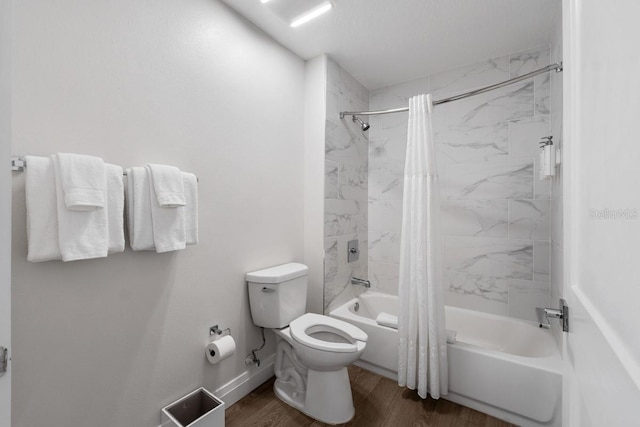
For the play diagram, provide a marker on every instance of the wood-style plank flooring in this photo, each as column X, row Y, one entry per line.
column 379, row 402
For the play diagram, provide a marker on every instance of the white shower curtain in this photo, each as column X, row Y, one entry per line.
column 422, row 362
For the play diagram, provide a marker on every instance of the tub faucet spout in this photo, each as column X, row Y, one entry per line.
column 361, row 282
column 562, row 314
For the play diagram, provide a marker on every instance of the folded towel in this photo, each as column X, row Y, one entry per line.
column 139, row 219
column 168, row 185
column 388, row 320
column 82, row 181
column 42, row 211
column 81, row 234
column 451, row 336
column 115, row 208
column 169, row 233
column 191, row 209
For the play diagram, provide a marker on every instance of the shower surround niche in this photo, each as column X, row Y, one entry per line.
column 495, row 209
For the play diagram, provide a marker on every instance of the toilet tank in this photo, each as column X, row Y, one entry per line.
column 277, row 295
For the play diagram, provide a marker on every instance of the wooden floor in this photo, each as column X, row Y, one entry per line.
column 379, row 402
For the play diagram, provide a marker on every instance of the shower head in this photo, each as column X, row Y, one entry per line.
column 363, row 125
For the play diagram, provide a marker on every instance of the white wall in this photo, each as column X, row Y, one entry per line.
column 5, row 202
column 109, row 342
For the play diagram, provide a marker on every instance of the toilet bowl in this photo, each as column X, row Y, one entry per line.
column 312, row 350
column 311, row 360
column 324, row 343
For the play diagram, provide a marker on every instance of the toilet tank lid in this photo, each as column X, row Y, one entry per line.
column 278, row 274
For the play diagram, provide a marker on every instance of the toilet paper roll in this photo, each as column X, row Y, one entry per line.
column 220, row 349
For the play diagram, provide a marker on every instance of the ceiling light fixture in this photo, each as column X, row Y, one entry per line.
column 263, row 1
column 312, row 14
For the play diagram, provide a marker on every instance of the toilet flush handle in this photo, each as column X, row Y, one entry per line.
column 265, row 289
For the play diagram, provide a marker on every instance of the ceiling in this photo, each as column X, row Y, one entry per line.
column 382, row 42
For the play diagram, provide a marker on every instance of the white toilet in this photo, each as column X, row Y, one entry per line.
column 313, row 350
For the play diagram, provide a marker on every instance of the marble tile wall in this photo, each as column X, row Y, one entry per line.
column 495, row 209
column 387, row 147
column 346, row 185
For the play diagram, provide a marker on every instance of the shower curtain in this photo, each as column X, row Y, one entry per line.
column 421, row 329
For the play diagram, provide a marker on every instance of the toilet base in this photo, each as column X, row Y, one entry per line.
column 327, row 397
column 288, row 394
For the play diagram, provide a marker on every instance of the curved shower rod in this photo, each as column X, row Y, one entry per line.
column 557, row 67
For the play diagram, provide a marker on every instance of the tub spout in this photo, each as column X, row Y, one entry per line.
column 562, row 314
column 361, row 282
column 552, row 312
column 543, row 320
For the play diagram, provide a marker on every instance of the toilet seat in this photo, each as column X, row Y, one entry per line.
column 311, row 323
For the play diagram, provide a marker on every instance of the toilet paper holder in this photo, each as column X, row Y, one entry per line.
column 219, row 333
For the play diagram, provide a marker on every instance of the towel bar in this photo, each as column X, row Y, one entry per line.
column 18, row 164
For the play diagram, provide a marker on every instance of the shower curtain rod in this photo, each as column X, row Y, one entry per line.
column 557, row 67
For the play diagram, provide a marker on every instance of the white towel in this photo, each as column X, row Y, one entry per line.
column 191, row 208
column 451, row 336
column 169, row 233
column 115, row 208
column 139, row 219
column 168, row 185
column 81, row 234
column 82, row 181
column 388, row 320
column 42, row 211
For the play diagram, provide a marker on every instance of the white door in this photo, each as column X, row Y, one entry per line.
column 5, row 287
column 5, row 205
column 602, row 212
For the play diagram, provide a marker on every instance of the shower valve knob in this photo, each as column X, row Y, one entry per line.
column 353, row 251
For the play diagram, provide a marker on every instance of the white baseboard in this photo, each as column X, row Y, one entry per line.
column 246, row 382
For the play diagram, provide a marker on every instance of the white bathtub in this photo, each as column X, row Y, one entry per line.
column 504, row 367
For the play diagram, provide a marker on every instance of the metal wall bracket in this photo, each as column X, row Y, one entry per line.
column 18, row 163
column 565, row 315
column 215, row 330
column 546, row 140
column 4, row 359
